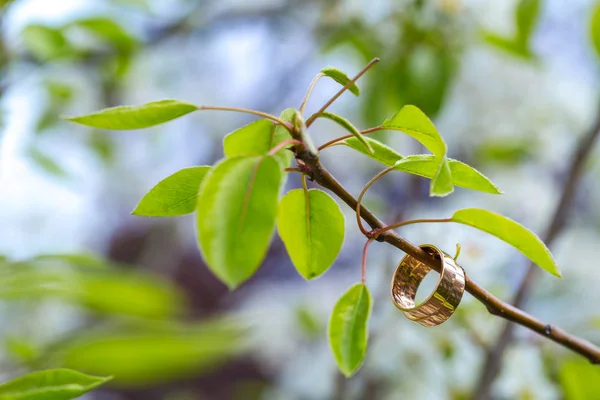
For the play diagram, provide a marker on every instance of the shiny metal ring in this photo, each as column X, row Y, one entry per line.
column 442, row 303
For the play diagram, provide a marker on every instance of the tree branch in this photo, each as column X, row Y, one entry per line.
column 494, row 355
column 494, row 305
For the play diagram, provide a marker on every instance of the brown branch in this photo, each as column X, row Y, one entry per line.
column 494, row 355
column 494, row 305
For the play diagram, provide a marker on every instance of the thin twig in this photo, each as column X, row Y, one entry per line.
column 312, row 118
column 494, row 305
column 493, row 360
column 309, row 91
column 287, row 125
column 339, row 139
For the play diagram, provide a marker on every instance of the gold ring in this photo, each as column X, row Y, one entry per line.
column 440, row 305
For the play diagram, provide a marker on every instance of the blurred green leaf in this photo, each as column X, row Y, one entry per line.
column 308, row 322
column 311, row 225
column 87, row 260
column 595, row 28
column 508, row 45
column 340, row 77
column 580, row 380
column 108, row 30
column 257, row 138
column 505, row 151
column 236, row 213
column 344, row 123
column 348, row 328
column 21, row 349
column 135, row 117
column 175, row 195
column 44, row 42
column 510, row 232
column 53, row 384
column 46, row 163
column 151, row 357
column 526, row 16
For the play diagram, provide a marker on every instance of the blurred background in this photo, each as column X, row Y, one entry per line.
column 512, row 86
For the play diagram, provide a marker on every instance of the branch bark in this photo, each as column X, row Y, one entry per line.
column 495, row 306
column 493, row 361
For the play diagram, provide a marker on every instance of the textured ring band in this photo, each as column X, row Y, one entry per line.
column 442, row 303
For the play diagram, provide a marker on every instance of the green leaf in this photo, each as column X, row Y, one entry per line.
column 381, row 152
column 441, row 184
column 311, row 226
column 595, row 29
column 45, row 42
column 340, row 77
column 415, row 123
column 108, row 30
column 344, row 123
column 348, row 328
column 52, row 384
column 580, row 380
column 512, row 233
column 148, row 355
column 46, row 163
column 526, row 17
column 257, row 138
column 135, row 117
column 463, row 175
column 177, row 194
column 236, row 213
column 508, row 45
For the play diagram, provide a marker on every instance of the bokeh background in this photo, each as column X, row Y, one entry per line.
column 86, row 285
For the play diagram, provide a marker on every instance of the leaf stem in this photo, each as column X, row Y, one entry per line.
column 309, row 92
column 293, row 170
column 386, row 228
column 312, row 118
column 363, row 273
column 283, row 144
column 287, row 125
column 339, row 139
column 361, row 195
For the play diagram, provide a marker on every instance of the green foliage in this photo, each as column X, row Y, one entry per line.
column 462, row 174
column 135, row 117
column 340, row 77
column 236, row 213
column 175, row 195
column 154, row 355
column 311, row 226
column 344, row 123
column 426, row 165
column 348, row 328
column 512, row 233
column 595, row 28
column 257, row 138
column 45, row 42
column 46, row 163
column 108, row 30
column 526, row 16
column 134, row 294
column 580, row 380
column 54, row 384
column 415, row 123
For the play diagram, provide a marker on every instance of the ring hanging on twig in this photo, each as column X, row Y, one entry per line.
column 442, row 303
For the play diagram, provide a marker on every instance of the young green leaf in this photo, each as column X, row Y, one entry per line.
column 348, row 328
column 311, row 226
column 580, row 380
column 175, row 195
column 463, row 175
column 53, row 384
column 135, row 117
column 381, row 152
column 512, row 233
column 344, row 123
column 340, row 77
column 415, row 123
column 108, row 30
column 526, row 17
column 45, row 42
column 236, row 213
column 257, row 138
column 441, row 184
column 595, row 29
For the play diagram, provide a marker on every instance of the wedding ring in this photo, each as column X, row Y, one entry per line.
column 442, row 303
